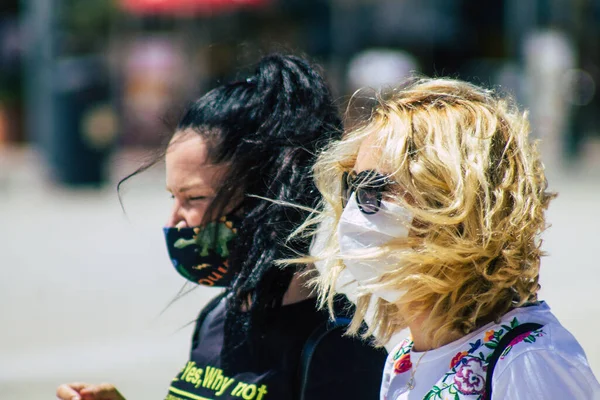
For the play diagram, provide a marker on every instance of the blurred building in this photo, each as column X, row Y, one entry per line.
column 79, row 79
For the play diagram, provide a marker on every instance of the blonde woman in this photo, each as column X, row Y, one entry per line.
column 437, row 205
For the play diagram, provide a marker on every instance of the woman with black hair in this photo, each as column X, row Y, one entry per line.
column 241, row 153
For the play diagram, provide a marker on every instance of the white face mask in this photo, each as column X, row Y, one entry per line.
column 358, row 231
column 345, row 284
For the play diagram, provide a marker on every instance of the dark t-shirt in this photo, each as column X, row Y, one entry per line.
column 341, row 367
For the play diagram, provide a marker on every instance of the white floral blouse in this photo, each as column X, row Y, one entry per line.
column 547, row 363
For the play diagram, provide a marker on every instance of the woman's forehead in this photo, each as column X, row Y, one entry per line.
column 371, row 155
column 187, row 163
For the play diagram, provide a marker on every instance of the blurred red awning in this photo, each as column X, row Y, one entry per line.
column 187, row 7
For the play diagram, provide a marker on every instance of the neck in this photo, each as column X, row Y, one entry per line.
column 298, row 289
column 420, row 341
column 423, row 343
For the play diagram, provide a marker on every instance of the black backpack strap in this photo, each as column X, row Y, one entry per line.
column 311, row 345
column 502, row 345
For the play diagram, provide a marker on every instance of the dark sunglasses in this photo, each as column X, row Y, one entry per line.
column 368, row 186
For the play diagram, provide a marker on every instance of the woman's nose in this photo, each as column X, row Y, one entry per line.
column 176, row 218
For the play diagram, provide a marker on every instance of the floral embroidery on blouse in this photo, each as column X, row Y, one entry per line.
column 402, row 357
column 468, row 368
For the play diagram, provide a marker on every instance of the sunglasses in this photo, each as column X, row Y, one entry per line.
column 368, row 186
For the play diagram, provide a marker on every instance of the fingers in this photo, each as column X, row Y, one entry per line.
column 85, row 391
column 103, row 391
column 70, row 391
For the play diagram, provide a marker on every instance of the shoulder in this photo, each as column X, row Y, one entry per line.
column 397, row 355
column 210, row 306
column 204, row 313
column 397, row 361
column 345, row 367
column 355, row 352
column 548, row 363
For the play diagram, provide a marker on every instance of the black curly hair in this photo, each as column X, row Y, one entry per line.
column 269, row 129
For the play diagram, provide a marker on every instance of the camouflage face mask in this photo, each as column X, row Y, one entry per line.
column 201, row 254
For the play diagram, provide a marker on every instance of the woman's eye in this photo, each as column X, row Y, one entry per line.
column 197, row 198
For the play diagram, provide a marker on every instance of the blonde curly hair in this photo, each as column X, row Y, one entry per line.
column 468, row 171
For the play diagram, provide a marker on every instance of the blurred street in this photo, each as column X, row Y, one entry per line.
column 83, row 285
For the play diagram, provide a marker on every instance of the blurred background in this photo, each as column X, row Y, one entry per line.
column 89, row 89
